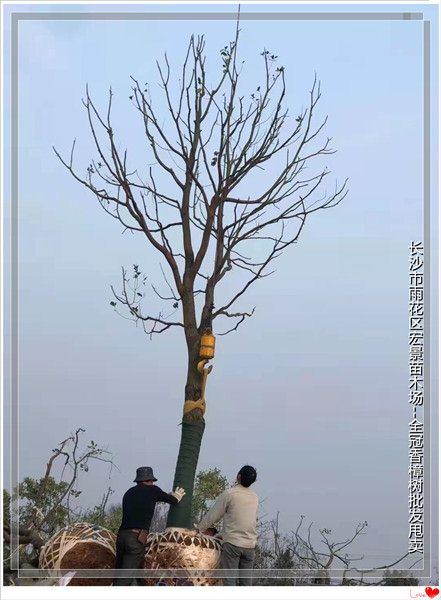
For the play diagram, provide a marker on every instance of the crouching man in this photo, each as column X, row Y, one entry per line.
column 138, row 506
column 238, row 507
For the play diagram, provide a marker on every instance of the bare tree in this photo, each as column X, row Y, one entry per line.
column 333, row 554
column 197, row 203
column 44, row 505
column 75, row 460
column 307, row 557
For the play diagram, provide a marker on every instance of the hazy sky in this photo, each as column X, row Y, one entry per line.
column 313, row 389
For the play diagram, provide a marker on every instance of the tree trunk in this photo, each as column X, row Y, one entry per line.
column 191, row 437
column 193, row 425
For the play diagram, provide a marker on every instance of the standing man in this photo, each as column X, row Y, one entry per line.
column 238, row 507
column 138, row 507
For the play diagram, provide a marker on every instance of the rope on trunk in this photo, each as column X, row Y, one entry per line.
column 190, row 405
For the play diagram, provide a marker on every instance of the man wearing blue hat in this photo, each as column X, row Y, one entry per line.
column 138, row 507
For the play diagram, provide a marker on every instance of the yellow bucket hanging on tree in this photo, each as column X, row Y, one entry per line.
column 208, row 342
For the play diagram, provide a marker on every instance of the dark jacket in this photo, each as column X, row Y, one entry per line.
column 139, row 504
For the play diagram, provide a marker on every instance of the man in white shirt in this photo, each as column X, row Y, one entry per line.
column 238, row 507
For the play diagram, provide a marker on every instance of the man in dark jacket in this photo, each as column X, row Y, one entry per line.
column 138, row 507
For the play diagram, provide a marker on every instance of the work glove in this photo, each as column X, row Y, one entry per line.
column 179, row 493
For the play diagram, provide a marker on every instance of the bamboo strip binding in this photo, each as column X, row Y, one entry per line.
column 56, row 548
column 178, row 548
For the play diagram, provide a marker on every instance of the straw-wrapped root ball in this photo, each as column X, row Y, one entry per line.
column 179, row 548
column 80, row 546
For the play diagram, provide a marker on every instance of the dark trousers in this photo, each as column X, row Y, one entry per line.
column 129, row 555
column 233, row 557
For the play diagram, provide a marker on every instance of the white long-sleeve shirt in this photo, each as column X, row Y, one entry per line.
column 238, row 507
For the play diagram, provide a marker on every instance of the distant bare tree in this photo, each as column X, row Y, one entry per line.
column 334, row 555
column 46, row 503
column 298, row 552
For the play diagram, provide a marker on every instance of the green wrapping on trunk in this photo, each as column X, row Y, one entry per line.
column 191, row 437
